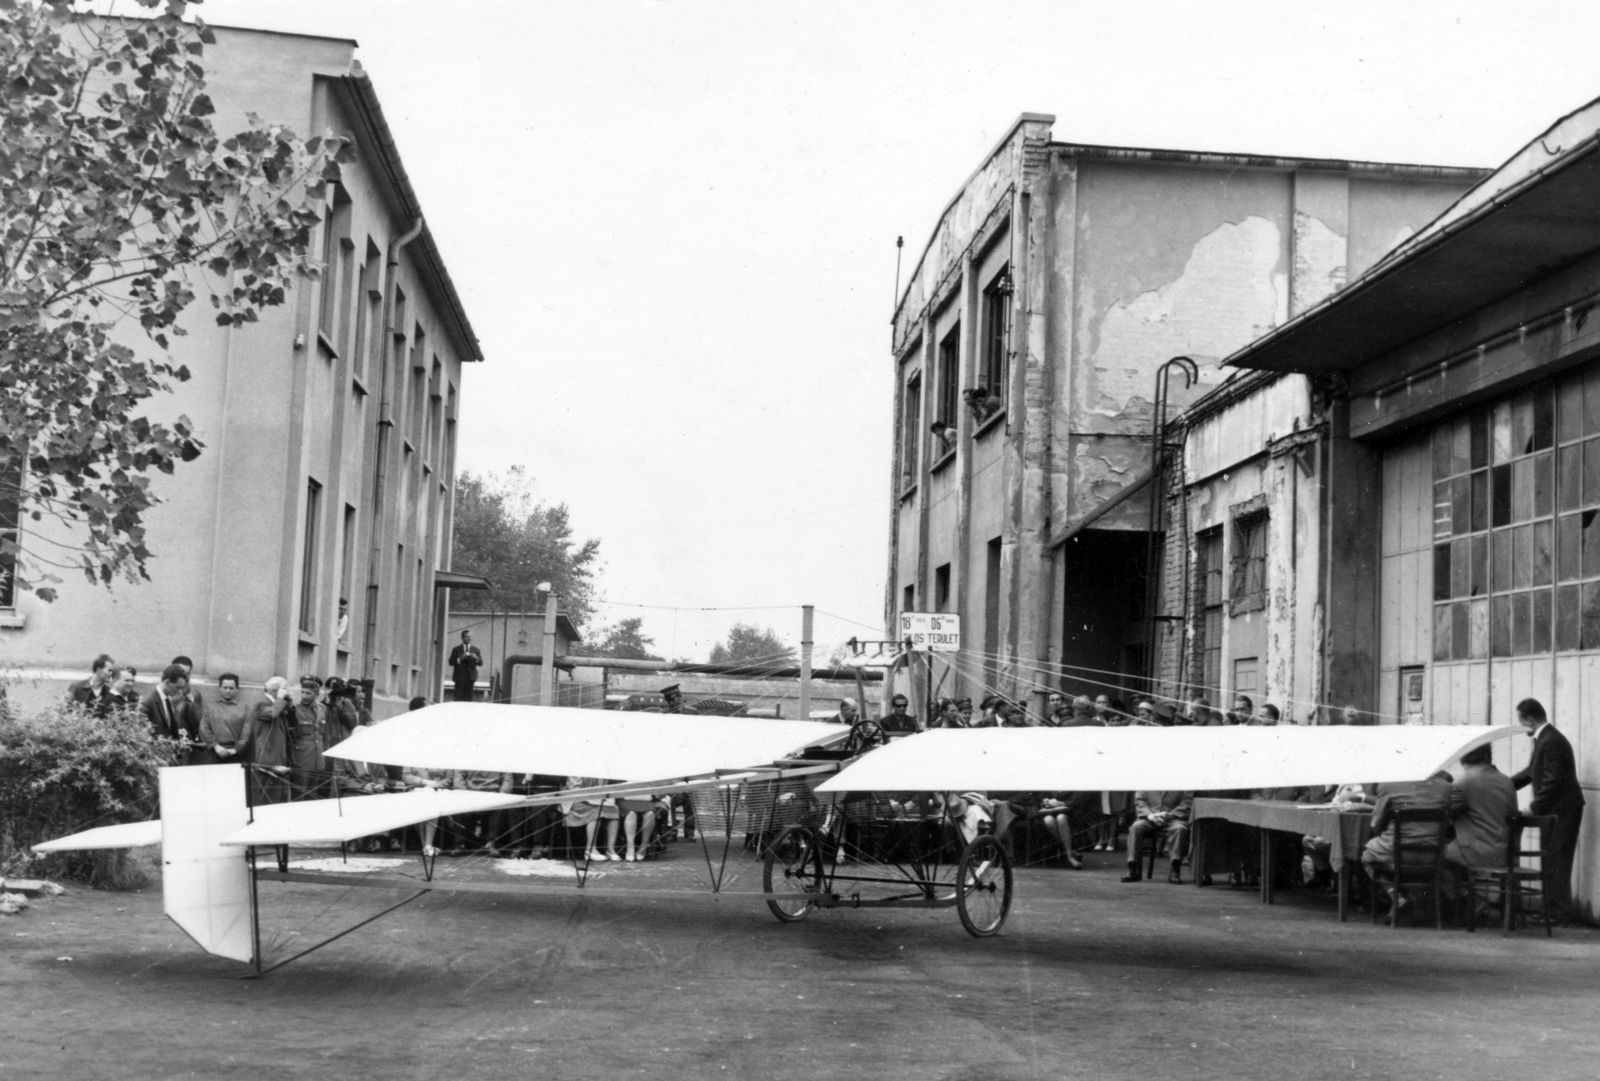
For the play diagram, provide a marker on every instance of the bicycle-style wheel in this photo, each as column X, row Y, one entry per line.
column 793, row 869
column 983, row 887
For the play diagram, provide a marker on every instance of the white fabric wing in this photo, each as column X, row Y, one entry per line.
column 127, row 835
column 563, row 741
column 1158, row 759
column 333, row 821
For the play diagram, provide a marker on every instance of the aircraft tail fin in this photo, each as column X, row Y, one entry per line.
column 205, row 884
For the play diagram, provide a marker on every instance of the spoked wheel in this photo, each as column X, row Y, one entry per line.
column 793, row 867
column 983, row 887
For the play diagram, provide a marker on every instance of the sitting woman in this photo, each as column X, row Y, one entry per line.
column 589, row 814
column 1057, row 819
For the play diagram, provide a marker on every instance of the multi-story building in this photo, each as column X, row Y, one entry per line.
column 330, row 434
column 1026, row 343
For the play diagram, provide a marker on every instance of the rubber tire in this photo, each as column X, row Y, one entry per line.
column 983, row 854
column 783, row 847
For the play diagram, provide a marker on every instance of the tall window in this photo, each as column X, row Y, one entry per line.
column 335, row 267
column 308, row 558
column 347, row 560
column 996, row 334
column 1208, row 617
column 941, row 588
column 949, row 377
column 911, row 430
column 1249, row 592
column 10, row 537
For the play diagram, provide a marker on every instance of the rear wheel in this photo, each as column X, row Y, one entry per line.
column 983, row 887
column 794, row 869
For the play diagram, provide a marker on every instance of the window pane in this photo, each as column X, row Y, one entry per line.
column 1460, row 633
column 1460, row 567
column 1522, row 490
column 1522, row 424
column 1502, row 559
column 1478, row 629
column 1480, row 438
column 1541, row 620
column 1441, row 572
column 1589, row 616
column 1591, row 543
column 1569, row 477
column 1500, row 490
column 1569, row 540
column 1591, row 472
column 1521, row 624
column 1544, row 419
column 1480, row 566
column 1441, row 452
column 1539, row 575
column 1591, row 401
column 1461, row 505
column 1522, row 557
column 1567, row 617
column 1500, row 432
column 1542, row 484
column 1441, row 632
column 1460, row 446
column 1443, row 511
column 1569, row 409
column 1499, row 627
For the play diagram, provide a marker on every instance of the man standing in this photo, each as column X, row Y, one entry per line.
column 465, row 660
column 899, row 722
column 1553, row 773
column 169, row 712
column 225, row 728
column 305, row 741
column 94, row 694
column 269, row 741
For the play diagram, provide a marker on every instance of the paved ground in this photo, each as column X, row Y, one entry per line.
column 1090, row 978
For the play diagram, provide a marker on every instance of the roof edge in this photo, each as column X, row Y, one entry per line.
column 1230, row 159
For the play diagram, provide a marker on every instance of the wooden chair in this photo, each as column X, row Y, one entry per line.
column 1515, row 880
column 1418, row 861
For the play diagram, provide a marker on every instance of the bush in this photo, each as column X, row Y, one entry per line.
column 62, row 770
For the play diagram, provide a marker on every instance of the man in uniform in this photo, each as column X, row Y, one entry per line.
column 306, row 732
column 673, row 697
column 1553, row 773
column 465, row 660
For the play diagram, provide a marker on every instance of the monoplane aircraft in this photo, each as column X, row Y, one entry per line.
column 823, row 829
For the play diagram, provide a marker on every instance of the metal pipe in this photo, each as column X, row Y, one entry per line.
column 806, row 612
column 1155, row 519
column 547, row 671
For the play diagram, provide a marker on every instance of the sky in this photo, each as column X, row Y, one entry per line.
column 673, row 224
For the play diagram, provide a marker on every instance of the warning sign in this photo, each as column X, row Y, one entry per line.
column 931, row 632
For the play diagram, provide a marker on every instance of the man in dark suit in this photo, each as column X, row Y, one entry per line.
column 1553, row 773
column 465, row 660
column 170, row 712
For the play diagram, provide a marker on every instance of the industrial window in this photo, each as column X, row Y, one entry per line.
column 941, row 588
column 949, row 377
column 10, row 537
column 308, row 559
column 1246, row 678
column 996, row 338
column 1249, row 590
column 911, row 430
column 1208, row 613
column 1516, row 557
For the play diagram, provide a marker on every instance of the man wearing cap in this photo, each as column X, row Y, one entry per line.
column 306, row 730
column 465, row 660
column 673, row 698
column 898, row 722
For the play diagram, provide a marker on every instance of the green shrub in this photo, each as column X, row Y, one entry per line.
column 62, row 770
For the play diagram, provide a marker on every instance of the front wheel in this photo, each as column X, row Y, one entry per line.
column 793, row 868
column 983, row 887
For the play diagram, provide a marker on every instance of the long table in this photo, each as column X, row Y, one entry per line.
column 1347, row 833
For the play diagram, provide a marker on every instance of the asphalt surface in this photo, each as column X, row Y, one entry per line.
column 1089, row 978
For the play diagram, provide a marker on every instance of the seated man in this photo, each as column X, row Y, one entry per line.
column 1167, row 815
column 1432, row 794
column 899, row 722
column 1480, row 803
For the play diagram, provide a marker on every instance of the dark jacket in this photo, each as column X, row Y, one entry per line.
column 1553, row 772
column 1480, row 802
column 1176, row 804
column 182, row 722
column 269, row 733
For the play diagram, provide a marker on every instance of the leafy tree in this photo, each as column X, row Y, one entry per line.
column 503, row 532
column 119, row 204
column 748, row 642
column 623, row 641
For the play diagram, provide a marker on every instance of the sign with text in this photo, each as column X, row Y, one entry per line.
column 931, row 632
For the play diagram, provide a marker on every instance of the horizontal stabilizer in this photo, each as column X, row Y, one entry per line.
column 564, row 741
column 1158, row 759
column 334, row 821
column 127, row 835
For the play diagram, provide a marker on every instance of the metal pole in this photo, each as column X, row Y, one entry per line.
column 805, row 661
column 547, row 660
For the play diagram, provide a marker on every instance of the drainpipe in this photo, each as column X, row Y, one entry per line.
column 385, row 423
